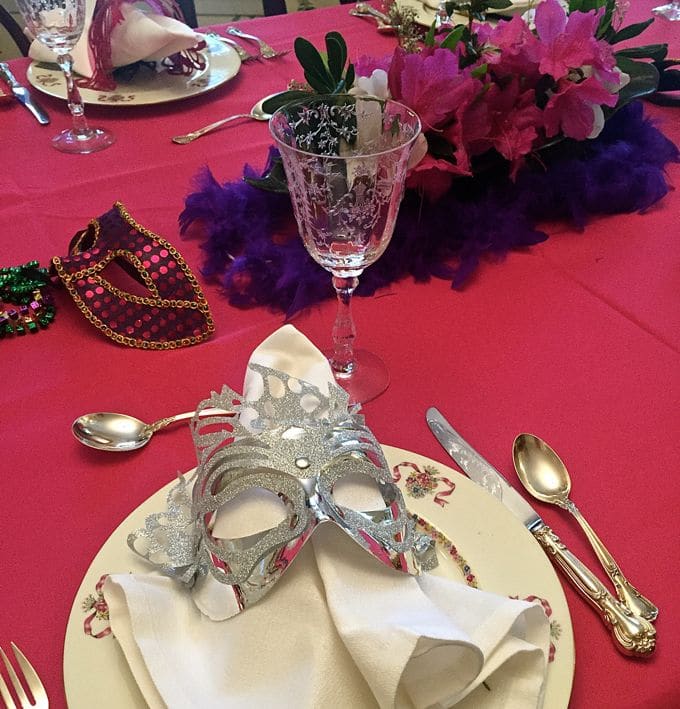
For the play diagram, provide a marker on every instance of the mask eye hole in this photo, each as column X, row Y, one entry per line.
column 358, row 492
column 252, row 511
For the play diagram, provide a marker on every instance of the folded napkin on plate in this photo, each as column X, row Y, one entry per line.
column 340, row 629
column 120, row 33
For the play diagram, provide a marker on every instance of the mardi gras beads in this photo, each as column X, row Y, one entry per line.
column 25, row 307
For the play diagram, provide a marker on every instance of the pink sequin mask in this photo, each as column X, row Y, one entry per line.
column 168, row 311
column 293, row 443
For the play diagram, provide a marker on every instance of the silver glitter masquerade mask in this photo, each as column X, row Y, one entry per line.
column 296, row 444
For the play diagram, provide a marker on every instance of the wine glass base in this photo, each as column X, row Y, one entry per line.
column 670, row 11
column 368, row 379
column 83, row 142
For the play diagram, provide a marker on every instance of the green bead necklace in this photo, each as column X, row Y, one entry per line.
column 24, row 307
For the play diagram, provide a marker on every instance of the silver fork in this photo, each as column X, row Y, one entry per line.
column 31, row 678
column 243, row 55
column 266, row 52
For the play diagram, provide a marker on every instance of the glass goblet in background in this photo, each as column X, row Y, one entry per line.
column 345, row 159
column 670, row 11
column 58, row 24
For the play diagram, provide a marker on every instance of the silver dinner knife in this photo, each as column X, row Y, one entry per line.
column 23, row 95
column 634, row 636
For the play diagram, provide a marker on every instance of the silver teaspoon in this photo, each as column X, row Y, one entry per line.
column 257, row 113
column 546, row 477
column 119, row 433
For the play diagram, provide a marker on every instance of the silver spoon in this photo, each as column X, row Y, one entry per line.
column 257, row 113
column 120, row 432
column 546, row 477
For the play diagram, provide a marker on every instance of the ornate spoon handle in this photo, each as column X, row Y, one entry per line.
column 633, row 635
column 162, row 423
column 627, row 593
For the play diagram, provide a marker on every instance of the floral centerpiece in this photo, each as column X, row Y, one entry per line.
column 534, row 118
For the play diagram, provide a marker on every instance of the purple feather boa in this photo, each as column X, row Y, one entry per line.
column 252, row 245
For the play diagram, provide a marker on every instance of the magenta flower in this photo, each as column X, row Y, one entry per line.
column 570, row 43
column 432, row 177
column 365, row 65
column 431, row 84
column 513, row 49
column 574, row 108
column 506, row 119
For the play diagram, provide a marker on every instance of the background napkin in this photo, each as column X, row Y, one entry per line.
column 339, row 629
column 142, row 34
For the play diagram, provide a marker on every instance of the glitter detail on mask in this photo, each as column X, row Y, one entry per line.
column 297, row 443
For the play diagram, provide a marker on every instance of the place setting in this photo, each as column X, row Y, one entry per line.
column 197, row 570
column 290, row 399
column 149, row 56
column 288, row 555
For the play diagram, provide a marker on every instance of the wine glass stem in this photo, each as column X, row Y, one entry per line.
column 75, row 102
column 344, row 330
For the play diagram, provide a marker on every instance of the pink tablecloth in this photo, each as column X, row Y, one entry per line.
column 576, row 340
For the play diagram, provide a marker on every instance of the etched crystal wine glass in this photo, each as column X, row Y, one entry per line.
column 671, row 11
column 58, row 25
column 345, row 159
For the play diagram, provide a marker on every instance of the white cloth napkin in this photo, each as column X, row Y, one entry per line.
column 143, row 34
column 339, row 629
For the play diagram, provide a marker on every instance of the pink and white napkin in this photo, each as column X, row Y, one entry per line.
column 143, row 33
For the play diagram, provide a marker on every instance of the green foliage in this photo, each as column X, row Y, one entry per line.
column 644, row 79
column 630, row 31
column 326, row 76
column 272, row 181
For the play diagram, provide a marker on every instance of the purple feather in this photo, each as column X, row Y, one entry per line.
column 622, row 170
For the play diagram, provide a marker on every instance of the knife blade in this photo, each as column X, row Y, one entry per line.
column 23, row 95
column 633, row 635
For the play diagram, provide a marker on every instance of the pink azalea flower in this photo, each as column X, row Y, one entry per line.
column 431, row 84
column 507, row 119
column 366, row 65
column 569, row 42
column 572, row 110
column 513, row 49
column 432, row 177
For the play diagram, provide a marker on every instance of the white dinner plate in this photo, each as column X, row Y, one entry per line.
column 479, row 543
column 147, row 86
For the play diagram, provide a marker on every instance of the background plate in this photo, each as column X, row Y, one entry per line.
column 426, row 9
column 502, row 555
column 147, row 87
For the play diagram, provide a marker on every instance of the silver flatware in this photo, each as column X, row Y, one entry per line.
column 30, row 677
column 363, row 9
column 257, row 113
column 243, row 55
column 633, row 635
column 266, row 51
column 23, row 95
column 120, row 433
column 546, row 477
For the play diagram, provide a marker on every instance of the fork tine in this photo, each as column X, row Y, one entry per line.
column 31, row 678
column 15, row 681
column 4, row 693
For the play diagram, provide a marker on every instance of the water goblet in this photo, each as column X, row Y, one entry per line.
column 58, row 24
column 345, row 159
column 671, row 11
